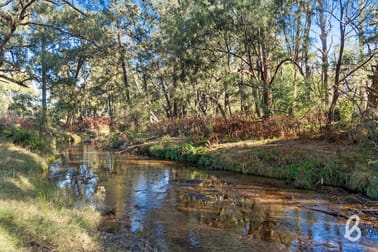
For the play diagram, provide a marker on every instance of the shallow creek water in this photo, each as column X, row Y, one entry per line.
column 176, row 207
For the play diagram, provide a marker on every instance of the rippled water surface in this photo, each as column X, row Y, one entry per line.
column 180, row 208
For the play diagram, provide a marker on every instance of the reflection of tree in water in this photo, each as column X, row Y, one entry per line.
column 91, row 156
column 262, row 229
column 212, row 202
column 267, row 226
column 216, row 205
column 78, row 178
column 73, row 155
column 177, row 208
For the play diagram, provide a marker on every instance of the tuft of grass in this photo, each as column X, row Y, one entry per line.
column 367, row 181
column 34, row 214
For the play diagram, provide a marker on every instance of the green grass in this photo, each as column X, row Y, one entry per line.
column 184, row 152
column 302, row 167
column 34, row 215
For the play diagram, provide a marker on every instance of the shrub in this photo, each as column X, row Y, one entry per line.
column 7, row 132
column 25, row 138
column 365, row 181
column 22, row 136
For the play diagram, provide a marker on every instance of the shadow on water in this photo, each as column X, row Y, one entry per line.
column 179, row 208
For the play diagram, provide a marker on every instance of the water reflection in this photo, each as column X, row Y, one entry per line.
column 179, row 208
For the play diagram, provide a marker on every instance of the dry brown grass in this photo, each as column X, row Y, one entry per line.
column 225, row 129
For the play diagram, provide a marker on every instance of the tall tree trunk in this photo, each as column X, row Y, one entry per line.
column 122, row 59
column 306, row 46
column 267, row 79
column 43, row 125
column 361, row 35
column 296, row 55
column 250, row 61
column 324, row 50
column 373, row 93
column 336, row 92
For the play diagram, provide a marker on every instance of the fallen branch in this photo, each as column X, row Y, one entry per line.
column 332, row 213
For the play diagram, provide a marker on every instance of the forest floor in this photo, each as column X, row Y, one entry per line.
column 307, row 164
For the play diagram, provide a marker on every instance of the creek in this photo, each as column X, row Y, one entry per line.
column 176, row 207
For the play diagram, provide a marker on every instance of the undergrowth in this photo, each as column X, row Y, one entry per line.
column 237, row 127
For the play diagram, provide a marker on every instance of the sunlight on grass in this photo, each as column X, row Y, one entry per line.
column 66, row 229
column 22, row 183
column 33, row 214
column 8, row 243
column 13, row 157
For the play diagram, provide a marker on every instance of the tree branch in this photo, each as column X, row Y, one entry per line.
column 362, row 64
column 221, row 51
column 61, row 30
column 24, row 8
column 5, row 4
column 75, row 8
column 12, row 80
column 281, row 63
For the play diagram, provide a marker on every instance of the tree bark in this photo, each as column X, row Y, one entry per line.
column 306, row 46
column 267, row 79
column 336, row 92
column 324, row 51
column 43, row 125
column 123, row 65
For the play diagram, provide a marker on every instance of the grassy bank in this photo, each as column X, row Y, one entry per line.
column 33, row 214
column 305, row 164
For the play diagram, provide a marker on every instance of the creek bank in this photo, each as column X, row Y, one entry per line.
column 306, row 164
column 34, row 214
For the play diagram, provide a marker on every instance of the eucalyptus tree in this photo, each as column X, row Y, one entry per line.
column 33, row 36
column 117, row 77
column 246, row 32
column 16, row 22
column 296, row 35
column 77, row 46
column 12, row 43
column 349, row 16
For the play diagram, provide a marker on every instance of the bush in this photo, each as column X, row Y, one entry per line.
column 7, row 132
column 181, row 152
column 365, row 181
column 24, row 138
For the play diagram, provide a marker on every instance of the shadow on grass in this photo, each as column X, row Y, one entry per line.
column 22, row 236
column 34, row 213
